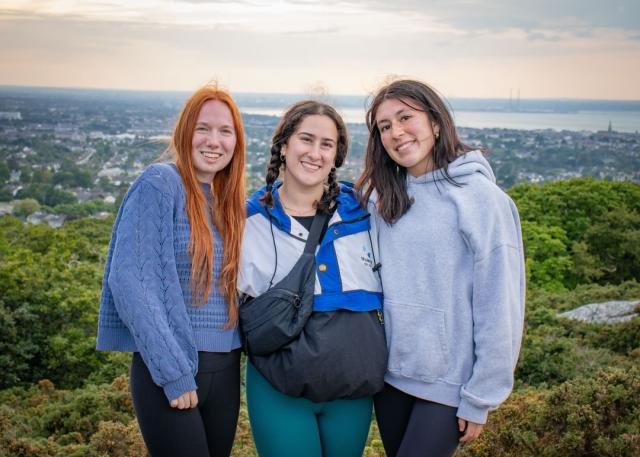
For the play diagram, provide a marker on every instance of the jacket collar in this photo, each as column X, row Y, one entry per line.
column 348, row 207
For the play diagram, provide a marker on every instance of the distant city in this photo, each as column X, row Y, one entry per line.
column 67, row 153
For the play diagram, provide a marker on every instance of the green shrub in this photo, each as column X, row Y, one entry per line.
column 44, row 421
column 584, row 417
column 50, row 282
column 622, row 337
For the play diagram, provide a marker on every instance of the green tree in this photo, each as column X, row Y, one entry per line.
column 574, row 204
column 42, row 176
column 25, row 207
column 614, row 238
column 25, row 175
column 47, row 194
column 5, row 195
column 600, row 221
column 84, row 209
column 547, row 259
column 50, row 282
column 5, row 173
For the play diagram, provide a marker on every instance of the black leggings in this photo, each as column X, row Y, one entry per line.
column 412, row 427
column 207, row 430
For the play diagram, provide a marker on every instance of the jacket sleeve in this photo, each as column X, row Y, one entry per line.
column 498, row 299
column 146, row 291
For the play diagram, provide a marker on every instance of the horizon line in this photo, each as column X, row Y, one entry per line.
column 328, row 95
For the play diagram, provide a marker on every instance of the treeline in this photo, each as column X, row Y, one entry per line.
column 580, row 231
column 577, row 384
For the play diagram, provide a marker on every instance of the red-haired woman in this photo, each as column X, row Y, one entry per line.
column 169, row 289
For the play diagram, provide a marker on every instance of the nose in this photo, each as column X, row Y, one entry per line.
column 314, row 151
column 396, row 129
column 212, row 139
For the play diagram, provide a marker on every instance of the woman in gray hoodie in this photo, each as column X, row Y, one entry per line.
column 452, row 273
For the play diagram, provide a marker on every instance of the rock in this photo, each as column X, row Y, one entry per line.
column 609, row 312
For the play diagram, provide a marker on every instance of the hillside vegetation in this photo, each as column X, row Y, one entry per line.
column 577, row 384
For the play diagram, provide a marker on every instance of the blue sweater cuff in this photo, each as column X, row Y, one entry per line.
column 180, row 386
column 472, row 413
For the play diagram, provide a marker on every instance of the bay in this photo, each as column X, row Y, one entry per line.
column 621, row 121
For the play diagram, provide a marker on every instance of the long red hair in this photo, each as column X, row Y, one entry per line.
column 228, row 212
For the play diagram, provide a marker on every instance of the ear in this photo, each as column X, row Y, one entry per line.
column 435, row 127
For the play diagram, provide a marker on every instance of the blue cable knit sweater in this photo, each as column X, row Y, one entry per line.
column 145, row 304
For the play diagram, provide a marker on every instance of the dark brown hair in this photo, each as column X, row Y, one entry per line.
column 287, row 127
column 385, row 176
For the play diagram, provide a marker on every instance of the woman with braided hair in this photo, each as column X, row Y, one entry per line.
column 308, row 146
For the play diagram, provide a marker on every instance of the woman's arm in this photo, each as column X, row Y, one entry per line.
column 497, row 304
column 146, row 290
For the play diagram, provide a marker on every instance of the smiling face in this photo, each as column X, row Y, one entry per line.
column 214, row 140
column 310, row 153
column 407, row 134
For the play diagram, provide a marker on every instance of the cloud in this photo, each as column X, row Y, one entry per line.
column 212, row 2
column 542, row 36
column 350, row 45
column 317, row 31
column 576, row 17
column 498, row 15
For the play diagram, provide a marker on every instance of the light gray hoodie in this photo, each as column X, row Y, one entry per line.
column 454, row 290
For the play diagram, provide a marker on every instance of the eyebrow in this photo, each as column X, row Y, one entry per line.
column 313, row 136
column 400, row 111
column 206, row 124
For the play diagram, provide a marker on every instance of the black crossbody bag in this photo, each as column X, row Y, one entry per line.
column 277, row 316
column 325, row 355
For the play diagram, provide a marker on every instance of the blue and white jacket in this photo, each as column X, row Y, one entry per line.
column 345, row 279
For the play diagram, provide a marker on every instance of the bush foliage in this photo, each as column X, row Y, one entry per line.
column 577, row 384
column 594, row 416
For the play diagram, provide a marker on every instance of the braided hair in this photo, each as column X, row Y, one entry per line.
column 287, row 127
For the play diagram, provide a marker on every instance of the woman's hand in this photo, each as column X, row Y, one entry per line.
column 185, row 401
column 471, row 430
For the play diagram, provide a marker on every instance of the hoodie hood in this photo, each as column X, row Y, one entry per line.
column 467, row 164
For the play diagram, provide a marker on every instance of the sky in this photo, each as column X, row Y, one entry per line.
column 465, row 48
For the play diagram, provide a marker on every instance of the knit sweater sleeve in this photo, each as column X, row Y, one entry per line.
column 146, row 291
column 492, row 230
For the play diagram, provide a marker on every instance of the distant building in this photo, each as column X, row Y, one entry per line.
column 52, row 220
column 11, row 115
column 102, row 215
column 6, row 208
column 110, row 172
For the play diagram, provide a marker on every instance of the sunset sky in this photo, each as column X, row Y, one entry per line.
column 465, row 48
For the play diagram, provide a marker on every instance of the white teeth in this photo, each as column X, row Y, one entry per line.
column 311, row 166
column 404, row 146
column 211, row 155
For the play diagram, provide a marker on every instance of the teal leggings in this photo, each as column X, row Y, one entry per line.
column 285, row 426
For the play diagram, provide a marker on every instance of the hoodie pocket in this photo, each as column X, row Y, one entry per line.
column 416, row 339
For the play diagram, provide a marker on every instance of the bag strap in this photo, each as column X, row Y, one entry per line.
column 376, row 268
column 314, row 233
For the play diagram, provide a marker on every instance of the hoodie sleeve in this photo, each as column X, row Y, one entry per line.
column 492, row 229
column 144, row 282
